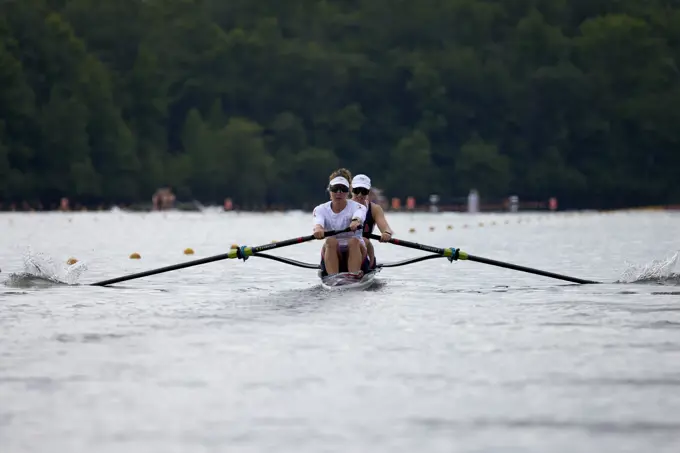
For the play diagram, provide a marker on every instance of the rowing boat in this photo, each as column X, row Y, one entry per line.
column 344, row 281
column 348, row 281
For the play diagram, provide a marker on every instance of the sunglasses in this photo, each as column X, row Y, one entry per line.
column 360, row 191
column 338, row 188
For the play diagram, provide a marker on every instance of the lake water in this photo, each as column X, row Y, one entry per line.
column 255, row 356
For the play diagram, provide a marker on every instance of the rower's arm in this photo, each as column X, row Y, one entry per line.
column 360, row 213
column 380, row 220
column 319, row 220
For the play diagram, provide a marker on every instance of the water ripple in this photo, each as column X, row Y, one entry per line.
column 257, row 356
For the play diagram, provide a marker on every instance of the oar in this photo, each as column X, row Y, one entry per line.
column 457, row 254
column 243, row 253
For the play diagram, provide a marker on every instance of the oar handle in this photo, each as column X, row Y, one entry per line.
column 247, row 251
column 346, row 230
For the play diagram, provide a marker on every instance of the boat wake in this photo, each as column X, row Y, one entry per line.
column 660, row 272
column 40, row 270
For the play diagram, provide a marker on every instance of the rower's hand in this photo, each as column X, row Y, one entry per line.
column 354, row 225
column 385, row 236
column 319, row 233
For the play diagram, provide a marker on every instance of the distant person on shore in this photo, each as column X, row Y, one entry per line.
column 163, row 199
column 375, row 215
column 473, row 201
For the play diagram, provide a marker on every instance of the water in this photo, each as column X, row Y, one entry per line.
column 255, row 356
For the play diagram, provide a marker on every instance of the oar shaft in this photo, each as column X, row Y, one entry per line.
column 411, row 245
column 516, row 267
column 224, row 256
column 275, row 245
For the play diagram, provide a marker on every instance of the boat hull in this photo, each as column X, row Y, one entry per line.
column 346, row 281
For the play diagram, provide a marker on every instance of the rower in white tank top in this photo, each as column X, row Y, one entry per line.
column 330, row 220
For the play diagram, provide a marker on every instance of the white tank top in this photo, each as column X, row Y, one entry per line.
column 329, row 220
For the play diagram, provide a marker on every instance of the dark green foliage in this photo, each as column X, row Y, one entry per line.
column 104, row 101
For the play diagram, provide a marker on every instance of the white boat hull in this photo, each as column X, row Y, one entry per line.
column 346, row 281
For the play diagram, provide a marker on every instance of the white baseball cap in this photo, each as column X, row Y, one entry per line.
column 362, row 181
column 339, row 180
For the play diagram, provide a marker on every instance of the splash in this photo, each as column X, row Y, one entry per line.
column 41, row 270
column 663, row 272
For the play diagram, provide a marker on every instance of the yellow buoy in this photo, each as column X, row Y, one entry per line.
column 189, row 251
column 135, row 256
column 71, row 261
column 449, row 227
column 411, row 230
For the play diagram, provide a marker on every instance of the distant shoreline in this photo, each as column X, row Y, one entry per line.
column 197, row 207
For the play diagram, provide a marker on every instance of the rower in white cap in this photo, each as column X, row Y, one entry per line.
column 344, row 252
column 361, row 187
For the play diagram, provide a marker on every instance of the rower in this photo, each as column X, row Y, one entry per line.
column 344, row 252
column 375, row 215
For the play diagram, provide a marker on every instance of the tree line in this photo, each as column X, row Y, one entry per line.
column 106, row 100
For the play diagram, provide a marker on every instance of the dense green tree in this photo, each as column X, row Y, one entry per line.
column 105, row 101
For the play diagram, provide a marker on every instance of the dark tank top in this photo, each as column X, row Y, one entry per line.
column 369, row 223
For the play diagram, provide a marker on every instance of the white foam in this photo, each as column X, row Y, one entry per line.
column 657, row 270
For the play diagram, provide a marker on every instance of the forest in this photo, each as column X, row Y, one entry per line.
column 104, row 101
